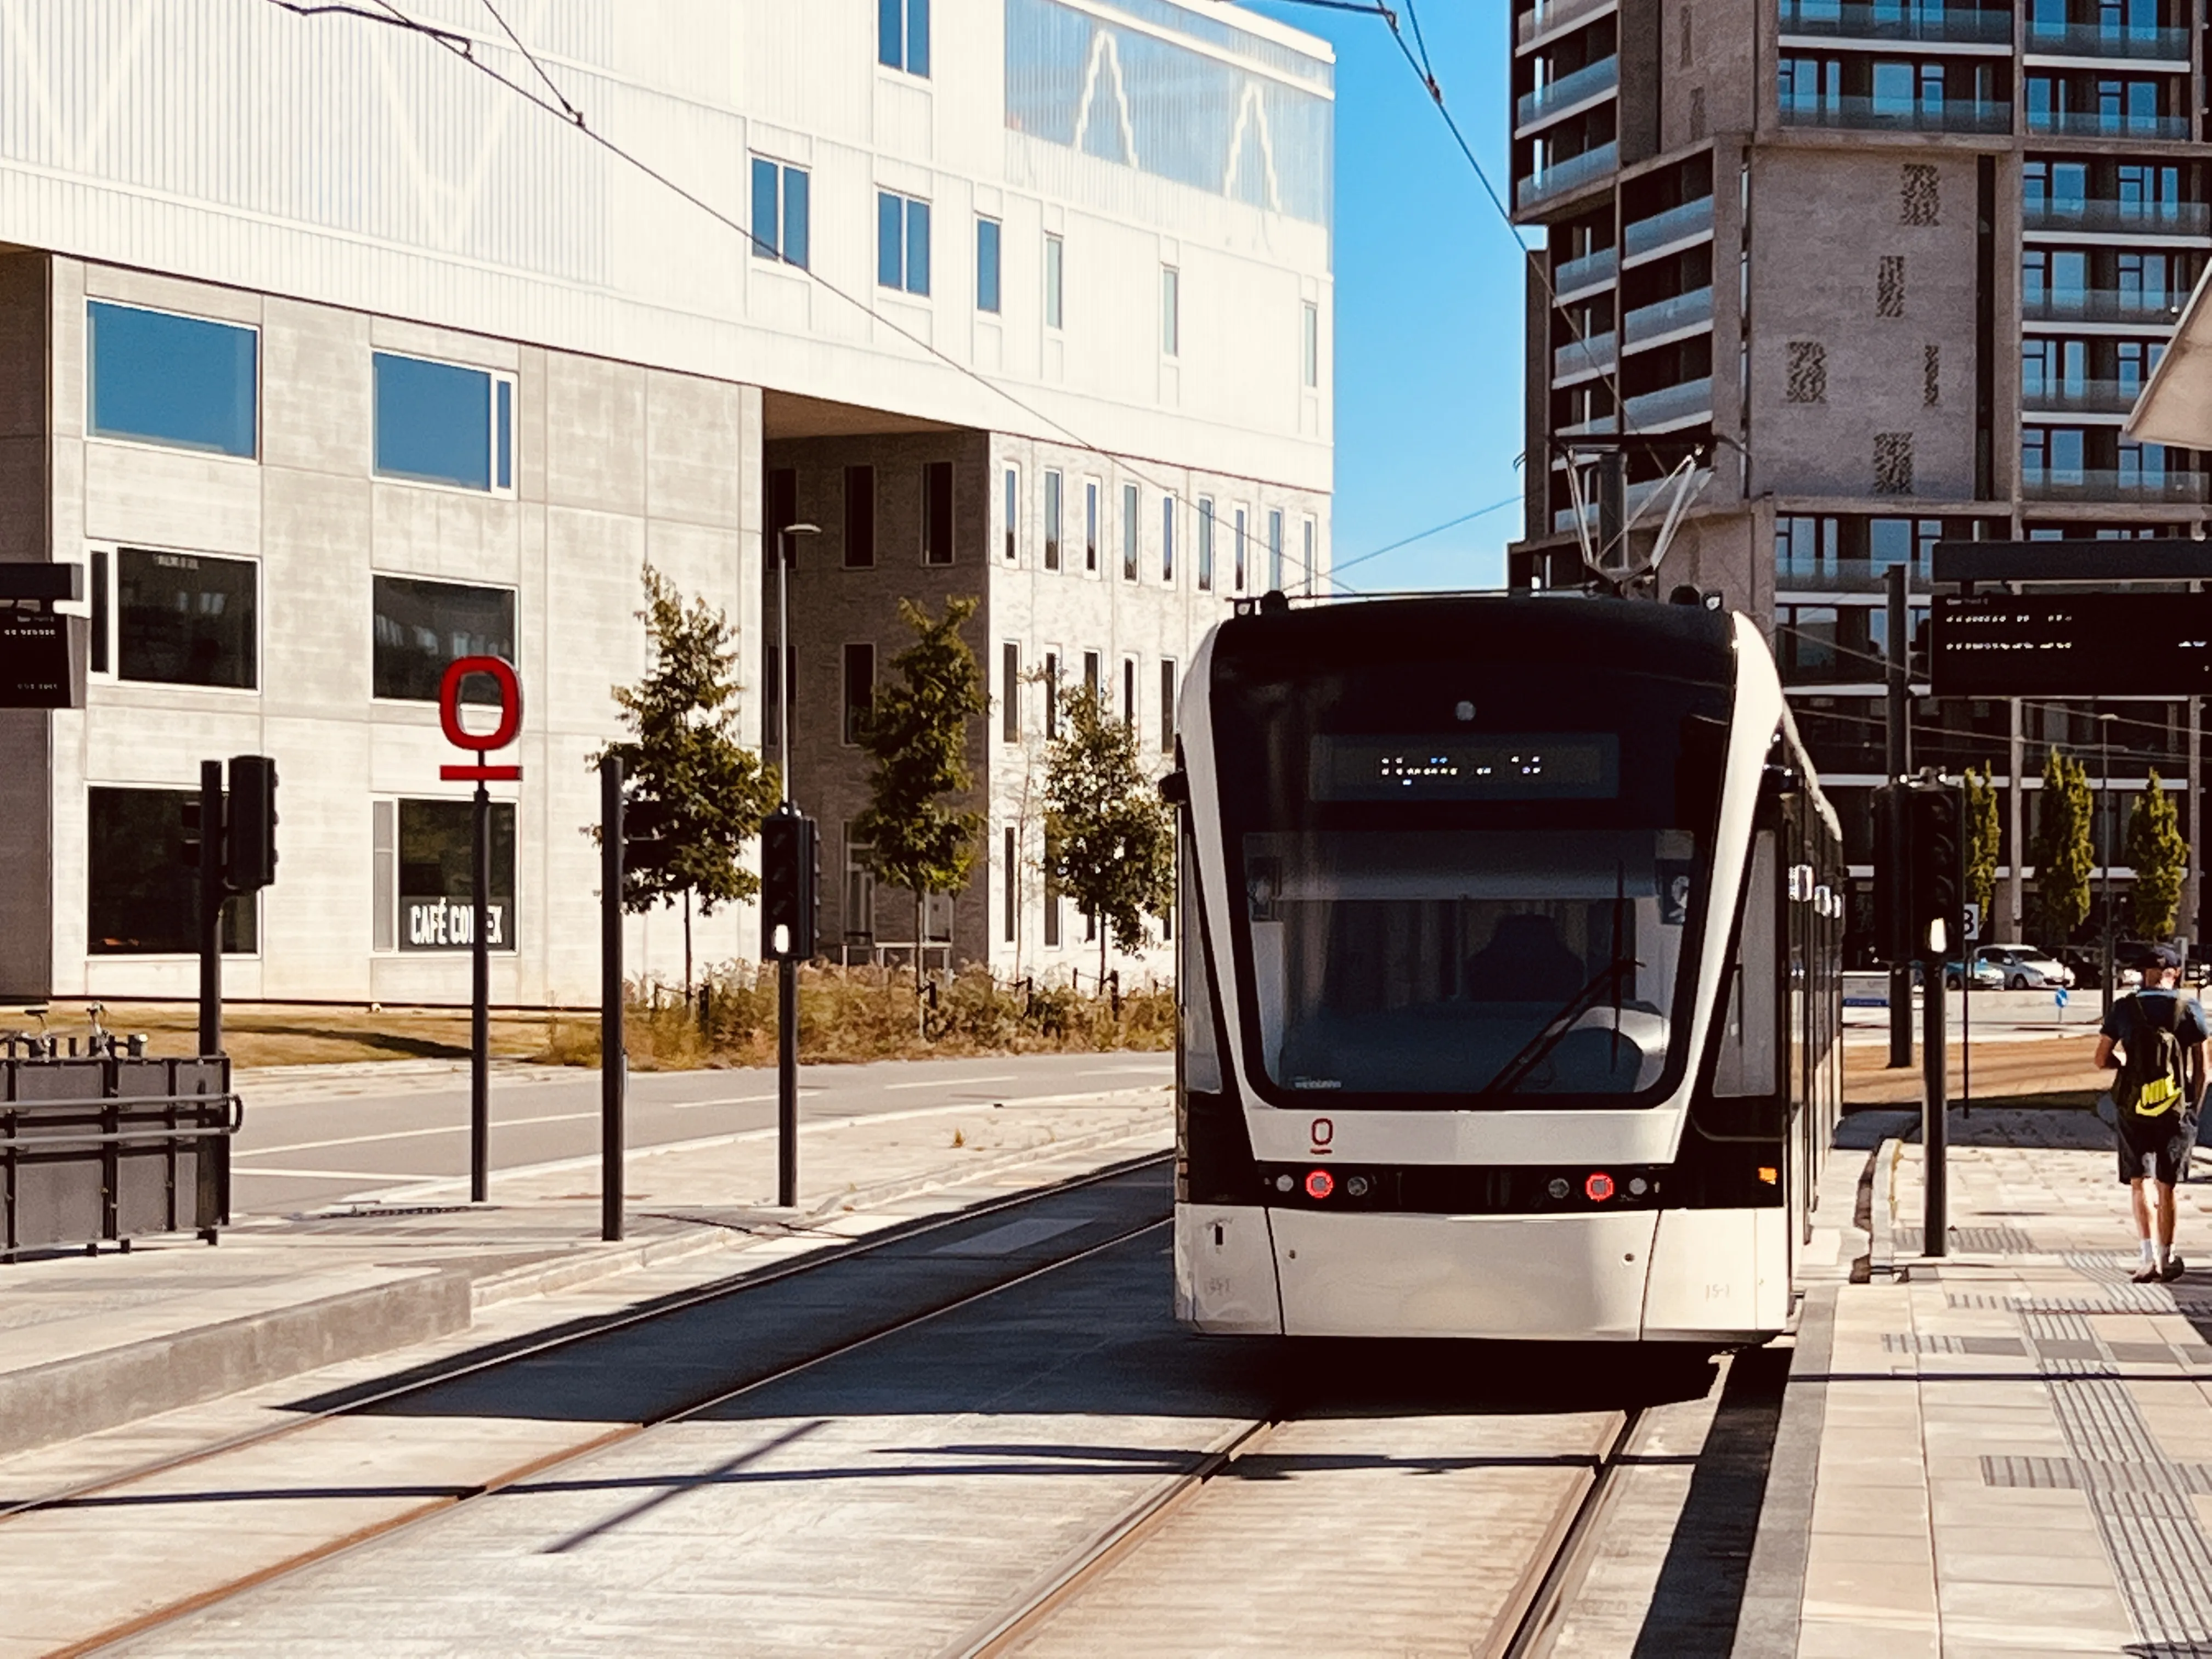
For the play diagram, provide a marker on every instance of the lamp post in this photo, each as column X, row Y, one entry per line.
column 787, row 967
column 2104, row 850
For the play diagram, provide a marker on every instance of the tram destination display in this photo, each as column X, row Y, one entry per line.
column 2082, row 645
column 1533, row 766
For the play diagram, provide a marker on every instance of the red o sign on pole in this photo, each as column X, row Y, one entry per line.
column 501, row 673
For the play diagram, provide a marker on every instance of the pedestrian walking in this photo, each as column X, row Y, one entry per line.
column 2155, row 1041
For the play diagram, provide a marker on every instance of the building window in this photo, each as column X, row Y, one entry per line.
column 771, row 692
column 859, row 889
column 1205, row 543
column 1052, row 696
column 902, row 243
column 422, row 626
column 783, row 511
column 1052, row 519
column 1012, row 900
column 1274, row 549
column 1051, row 891
column 1090, row 525
column 860, row 517
column 986, row 265
column 1308, row 532
column 1090, row 674
column 1010, row 692
column 1311, row 313
column 163, row 378
column 1013, row 514
column 1237, row 552
column 937, row 513
column 1166, row 705
column 435, row 856
column 902, row 35
column 1170, row 311
column 860, row 690
column 141, row 898
column 177, row 619
column 1167, row 539
column 1129, row 692
column 445, row 424
column 1055, row 270
column 1129, row 508
column 779, row 212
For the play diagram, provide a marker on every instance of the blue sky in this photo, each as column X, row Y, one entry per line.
column 1428, row 300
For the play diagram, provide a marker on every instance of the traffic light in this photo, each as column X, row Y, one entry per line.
column 249, row 847
column 188, row 840
column 1919, row 871
column 791, row 882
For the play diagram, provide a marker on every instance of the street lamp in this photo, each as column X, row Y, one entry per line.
column 787, row 546
column 2104, row 851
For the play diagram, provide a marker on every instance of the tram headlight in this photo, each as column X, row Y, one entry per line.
column 1356, row 1185
column 1284, row 1183
column 1637, row 1186
column 1598, row 1187
column 1319, row 1184
column 1558, row 1188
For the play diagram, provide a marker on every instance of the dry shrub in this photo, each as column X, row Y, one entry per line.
column 851, row 1014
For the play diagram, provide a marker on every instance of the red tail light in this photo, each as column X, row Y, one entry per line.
column 1319, row 1184
column 1598, row 1187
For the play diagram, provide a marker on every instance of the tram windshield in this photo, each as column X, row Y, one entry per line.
column 1463, row 883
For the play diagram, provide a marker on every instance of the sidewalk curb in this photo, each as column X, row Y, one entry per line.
column 103, row 1390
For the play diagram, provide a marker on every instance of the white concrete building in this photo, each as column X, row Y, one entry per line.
column 330, row 357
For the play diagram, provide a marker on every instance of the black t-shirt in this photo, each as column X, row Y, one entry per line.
column 2127, row 1017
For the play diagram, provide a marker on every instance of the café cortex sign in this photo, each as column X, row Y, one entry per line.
column 444, row 921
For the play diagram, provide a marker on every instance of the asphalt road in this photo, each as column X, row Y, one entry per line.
column 307, row 1142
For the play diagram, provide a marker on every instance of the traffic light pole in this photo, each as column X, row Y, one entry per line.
column 614, row 1060
column 1935, row 1124
column 1897, row 762
column 210, row 916
column 480, row 1007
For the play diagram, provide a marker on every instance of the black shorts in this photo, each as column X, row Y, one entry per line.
column 2154, row 1148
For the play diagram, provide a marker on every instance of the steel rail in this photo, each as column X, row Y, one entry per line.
column 1530, row 1621
column 570, row 1456
column 438, row 1375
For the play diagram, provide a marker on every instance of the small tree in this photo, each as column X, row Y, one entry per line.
column 2160, row 859
column 2063, row 855
column 696, row 794
column 1110, row 837
column 1981, row 838
column 916, row 732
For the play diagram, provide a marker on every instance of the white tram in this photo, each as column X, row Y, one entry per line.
column 1511, row 974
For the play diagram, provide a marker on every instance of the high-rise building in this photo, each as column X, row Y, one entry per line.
column 1894, row 274
column 329, row 358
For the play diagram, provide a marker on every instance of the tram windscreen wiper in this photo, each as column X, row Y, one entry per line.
column 1531, row 1054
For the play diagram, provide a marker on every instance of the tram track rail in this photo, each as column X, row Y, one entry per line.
column 568, row 1457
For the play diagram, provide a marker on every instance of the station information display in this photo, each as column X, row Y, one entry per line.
column 2078, row 645
column 1532, row 766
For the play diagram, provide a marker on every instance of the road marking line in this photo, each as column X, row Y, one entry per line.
column 337, row 1175
column 1014, row 1236
column 947, row 1082
column 412, row 1134
column 736, row 1100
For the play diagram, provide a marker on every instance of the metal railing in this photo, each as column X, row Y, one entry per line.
column 1587, row 81
column 2083, row 397
column 2096, row 40
column 1677, row 224
column 1578, row 357
column 1670, row 403
column 1591, row 270
column 1827, row 20
column 2103, row 305
column 1881, row 115
column 1646, row 323
column 1560, row 177
column 2144, row 218
column 112, row 1148
column 1543, row 19
column 1817, row 575
column 2106, row 124
column 2095, row 484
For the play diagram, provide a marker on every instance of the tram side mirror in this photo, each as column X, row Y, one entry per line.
column 1698, row 764
column 1175, row 788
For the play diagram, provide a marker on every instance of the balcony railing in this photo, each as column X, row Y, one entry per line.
column 1647, row 323
column 2082, row 397
column 1815, row 574
column 1674, row 403
column 1543, row 18
column 2106, row 124
column 1591, row 270
column 2095, row 41
column 1597, row 426
column 2090, row 484
column 1677, row 224
column 1587, row 81
column 2103, row 305
column 1579, row 357
column 1939, row 25
column 1560, row 177
column 1881, row 115
column 2123, row 218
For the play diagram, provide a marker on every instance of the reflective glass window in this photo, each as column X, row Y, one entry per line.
column 169, row 379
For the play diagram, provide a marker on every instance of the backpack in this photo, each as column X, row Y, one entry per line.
column 2150, row 1073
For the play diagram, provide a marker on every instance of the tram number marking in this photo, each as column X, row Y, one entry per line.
column 1324, row 1132
column 1719, row 1292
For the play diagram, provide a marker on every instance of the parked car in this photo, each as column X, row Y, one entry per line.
column 2088, row 965
column 1988, row 976
column 2025, row 967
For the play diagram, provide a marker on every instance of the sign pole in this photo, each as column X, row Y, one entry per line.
column 787, row 967
column 1935, row 1125
column 480, row 1008
column 614, row 1058
column 210, row 916
column 1898, row 759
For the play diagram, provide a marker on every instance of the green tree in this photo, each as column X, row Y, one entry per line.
column 1109, row 838
column 1982, row 839
column 2160, row 859
column 916, row 733
column 2063, row 855
column 696, row 794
